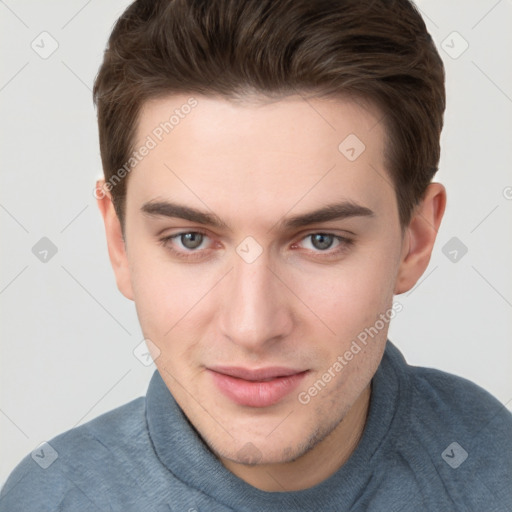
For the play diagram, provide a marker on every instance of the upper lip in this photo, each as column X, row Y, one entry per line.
column 257, row 373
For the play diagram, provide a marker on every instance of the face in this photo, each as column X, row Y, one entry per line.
column 230, row 271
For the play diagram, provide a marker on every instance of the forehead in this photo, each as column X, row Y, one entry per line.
column 259, row 153
column 281, row 123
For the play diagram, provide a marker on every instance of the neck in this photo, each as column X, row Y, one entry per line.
column 315, row 466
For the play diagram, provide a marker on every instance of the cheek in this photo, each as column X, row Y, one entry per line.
column 348, row 298
column 162, row 292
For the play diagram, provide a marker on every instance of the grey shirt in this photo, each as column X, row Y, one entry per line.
column 432, row 442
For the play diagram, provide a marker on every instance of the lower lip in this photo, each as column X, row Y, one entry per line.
column 256, row 393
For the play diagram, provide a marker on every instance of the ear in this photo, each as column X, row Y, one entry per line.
column 115, row 240
column 419, row 237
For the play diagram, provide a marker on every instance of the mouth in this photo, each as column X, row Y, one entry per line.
column 260, row 387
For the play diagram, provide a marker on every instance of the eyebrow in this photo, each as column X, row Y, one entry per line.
column 335, row 211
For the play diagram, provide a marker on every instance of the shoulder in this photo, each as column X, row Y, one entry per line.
column 465, row 433
column 442, row 401
column 458, row 403
column 81, row 465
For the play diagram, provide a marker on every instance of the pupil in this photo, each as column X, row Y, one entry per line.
column 324, row 241
column 192, row 240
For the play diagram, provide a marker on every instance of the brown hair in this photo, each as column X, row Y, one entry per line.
column 376, row 50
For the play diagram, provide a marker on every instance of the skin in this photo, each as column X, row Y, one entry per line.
column 300, row 305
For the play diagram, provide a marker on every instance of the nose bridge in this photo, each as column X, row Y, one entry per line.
column 254, row 309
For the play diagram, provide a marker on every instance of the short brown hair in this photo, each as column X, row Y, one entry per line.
column 376, row 50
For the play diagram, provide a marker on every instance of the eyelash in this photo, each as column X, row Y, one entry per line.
column 344, row 244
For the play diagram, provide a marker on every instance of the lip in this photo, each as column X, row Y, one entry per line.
column 260, row 387
column 256, row 374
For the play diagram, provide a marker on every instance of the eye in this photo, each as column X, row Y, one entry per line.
column 191, row 240
column 321, row 241
column 325, row 244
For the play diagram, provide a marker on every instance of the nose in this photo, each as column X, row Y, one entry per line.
column 255, row 311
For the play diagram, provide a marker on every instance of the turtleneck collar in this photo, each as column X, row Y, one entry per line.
column 182, row 450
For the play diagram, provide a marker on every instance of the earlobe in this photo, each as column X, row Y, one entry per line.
column 420, row 237
column 115, row 241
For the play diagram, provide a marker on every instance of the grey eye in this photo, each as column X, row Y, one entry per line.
column 322, row 241
column 191, row 240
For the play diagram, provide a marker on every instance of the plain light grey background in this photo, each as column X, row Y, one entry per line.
column 68, row 335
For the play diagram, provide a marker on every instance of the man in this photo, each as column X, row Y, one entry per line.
column 268, row 191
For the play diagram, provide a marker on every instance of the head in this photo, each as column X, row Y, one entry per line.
column 223, row 126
